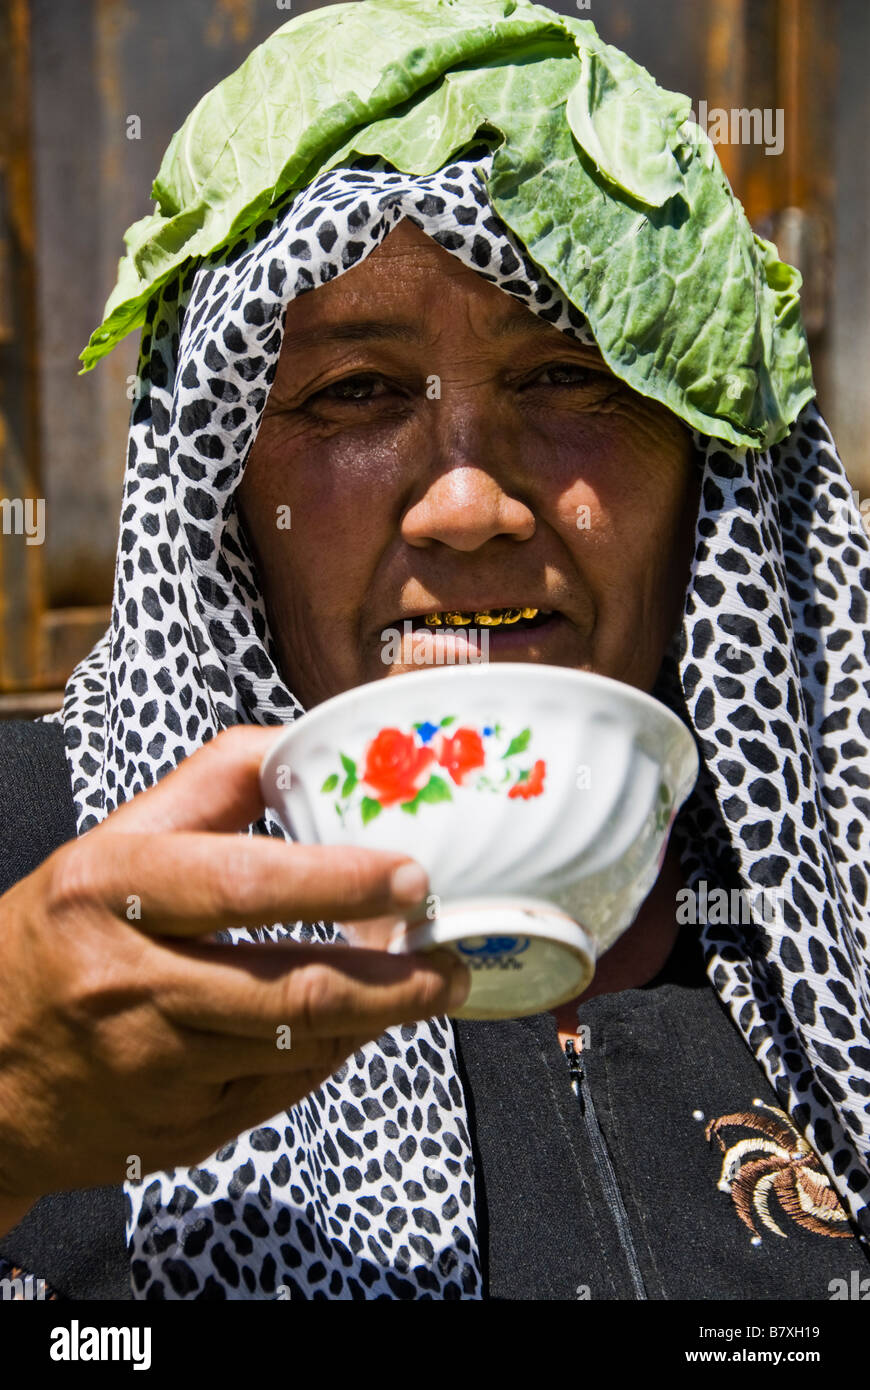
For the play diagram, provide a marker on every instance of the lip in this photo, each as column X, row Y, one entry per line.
column 449, row 646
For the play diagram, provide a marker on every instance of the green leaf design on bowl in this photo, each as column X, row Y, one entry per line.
column 518, row 744
column 435, row 790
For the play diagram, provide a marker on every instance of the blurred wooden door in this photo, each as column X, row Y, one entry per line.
column 90, row 94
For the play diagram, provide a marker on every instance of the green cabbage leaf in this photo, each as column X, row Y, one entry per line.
column 613, row 189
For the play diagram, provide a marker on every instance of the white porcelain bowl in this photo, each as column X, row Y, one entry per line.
column 538, row 798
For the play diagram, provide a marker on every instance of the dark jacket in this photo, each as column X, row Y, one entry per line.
column 593, row 1181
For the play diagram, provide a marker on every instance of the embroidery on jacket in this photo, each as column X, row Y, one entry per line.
column 776, row 1162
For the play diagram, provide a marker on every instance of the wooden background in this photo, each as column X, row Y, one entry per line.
column 72, row 72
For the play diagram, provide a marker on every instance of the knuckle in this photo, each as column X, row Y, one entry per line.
column 99, row 993
column 314, row 992
column 235, row 737
column 429, row 991
column 227, row 746
column 238, row 880
column 73, row 877
column 215, row 759
column 91, row 967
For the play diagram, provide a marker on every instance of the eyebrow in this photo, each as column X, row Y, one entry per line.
column 363, row 330
column 358, row 332
column 526, row 323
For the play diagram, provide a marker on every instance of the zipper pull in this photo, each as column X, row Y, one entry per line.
column 575, row 1069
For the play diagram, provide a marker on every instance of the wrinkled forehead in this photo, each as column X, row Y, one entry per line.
column 232, row 309
column 410, row 295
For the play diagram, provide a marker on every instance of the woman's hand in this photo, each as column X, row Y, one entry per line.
column 123, row 1038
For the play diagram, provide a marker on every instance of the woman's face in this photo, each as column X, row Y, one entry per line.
column 431, row 446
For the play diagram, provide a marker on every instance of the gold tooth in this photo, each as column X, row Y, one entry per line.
column 485, row 617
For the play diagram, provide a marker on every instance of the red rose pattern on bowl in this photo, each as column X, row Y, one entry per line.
column 416, row 768
column 539, row 800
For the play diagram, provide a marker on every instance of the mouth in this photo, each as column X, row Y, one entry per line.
column 522, row 619
column 448, row 636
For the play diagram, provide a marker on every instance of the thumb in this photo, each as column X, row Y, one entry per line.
column 216, row 788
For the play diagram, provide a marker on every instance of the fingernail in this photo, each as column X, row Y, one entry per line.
column 409, row 883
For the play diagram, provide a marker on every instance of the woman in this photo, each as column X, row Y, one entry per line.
column 437, row 429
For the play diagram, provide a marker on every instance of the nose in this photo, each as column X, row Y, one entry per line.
column 466, row 497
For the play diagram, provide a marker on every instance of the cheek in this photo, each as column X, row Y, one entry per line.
column 609, row 493
column 325, row 480
column 337, row 499
column 621, row 504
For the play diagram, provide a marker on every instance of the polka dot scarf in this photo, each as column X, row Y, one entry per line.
column 365, row 1188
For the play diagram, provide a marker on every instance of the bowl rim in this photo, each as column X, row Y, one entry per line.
column 522, row 669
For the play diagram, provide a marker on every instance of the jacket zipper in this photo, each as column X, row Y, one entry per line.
column 609, row 1184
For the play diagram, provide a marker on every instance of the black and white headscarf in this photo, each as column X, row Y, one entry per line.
column 365, row 1188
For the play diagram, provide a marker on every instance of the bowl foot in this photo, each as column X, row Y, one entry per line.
column 524, row 954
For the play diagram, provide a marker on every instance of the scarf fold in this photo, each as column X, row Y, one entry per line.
column 365, row 1188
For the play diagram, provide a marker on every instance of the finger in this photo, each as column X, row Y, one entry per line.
column 317, row 991
column 252, row 1101
column 215, row 1059
column 191, row 884
column 372, row 933
column 216, row 788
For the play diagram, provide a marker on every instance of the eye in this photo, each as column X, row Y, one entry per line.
column 354, row 390
column 564, row 374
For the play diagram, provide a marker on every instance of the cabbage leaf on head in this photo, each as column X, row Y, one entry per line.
column 613, row 189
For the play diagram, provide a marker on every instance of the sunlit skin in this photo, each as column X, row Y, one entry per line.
column 437, row 444
column 400, row 503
